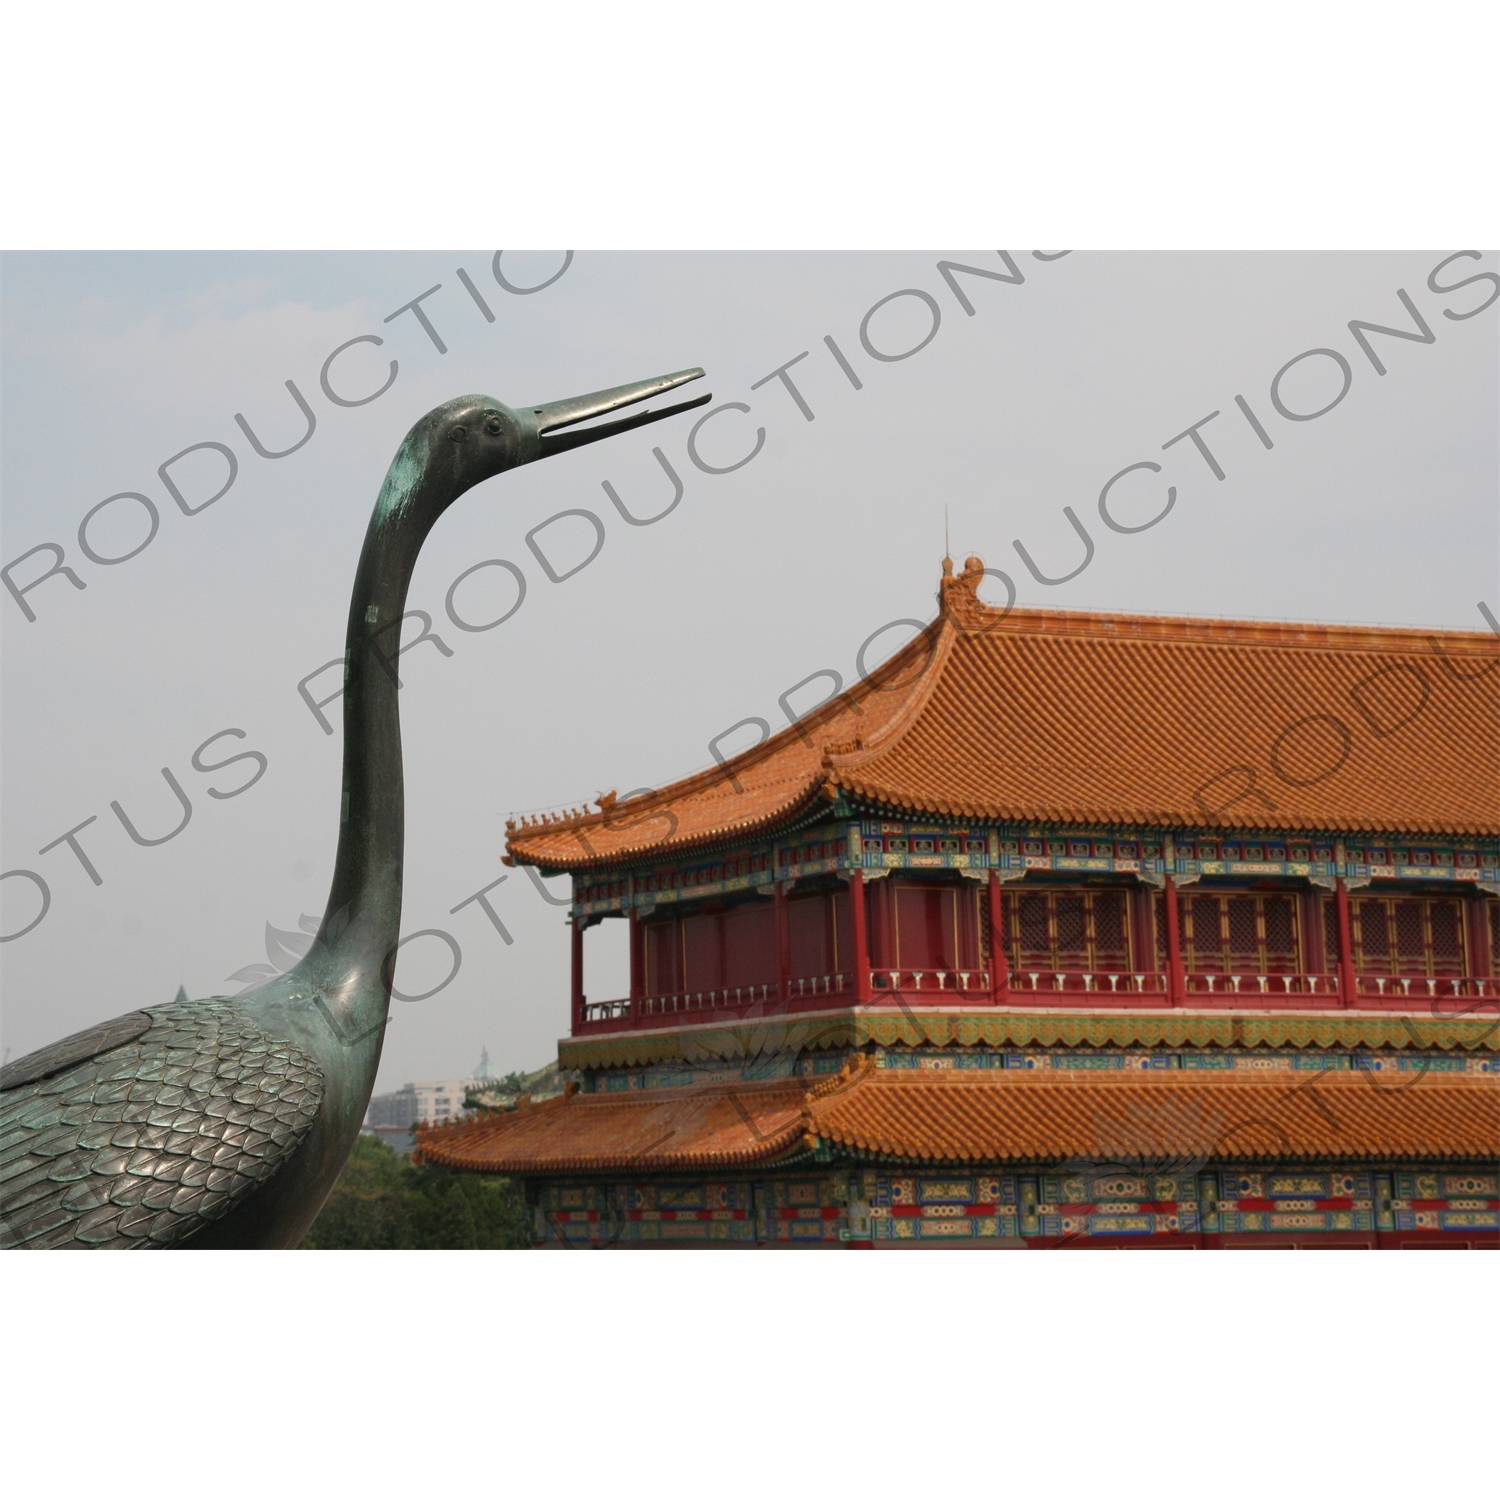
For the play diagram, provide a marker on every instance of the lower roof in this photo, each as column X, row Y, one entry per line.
column 1002, row 1118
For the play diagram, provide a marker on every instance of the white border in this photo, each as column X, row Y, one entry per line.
column 1308, row 124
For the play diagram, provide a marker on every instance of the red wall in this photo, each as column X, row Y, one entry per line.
column 711, row 950
column 918, row 925
column 737, row 946
column 822, row 933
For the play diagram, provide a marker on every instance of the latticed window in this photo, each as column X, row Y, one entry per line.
column 1410, row 939
column 1244, row 934
column 1408, row 935
column 1202, row 931
column 1031, row 924
column 1280, row 934
column 1109, row 928
column 1071, row 931
column 1240, row 933
column 1447, row 939
column 1372, row 935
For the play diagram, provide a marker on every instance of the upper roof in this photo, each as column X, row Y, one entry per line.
column 982, row 1115
column 1049, row 716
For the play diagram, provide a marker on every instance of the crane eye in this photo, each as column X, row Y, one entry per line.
column 458, row 434
column 494, row 425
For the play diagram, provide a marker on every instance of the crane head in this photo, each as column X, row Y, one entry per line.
column 487, row 437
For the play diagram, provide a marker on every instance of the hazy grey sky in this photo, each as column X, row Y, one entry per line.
column 1382, row 510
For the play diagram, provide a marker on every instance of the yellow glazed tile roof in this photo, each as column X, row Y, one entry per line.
column 1091, row 719
column 996, row 1116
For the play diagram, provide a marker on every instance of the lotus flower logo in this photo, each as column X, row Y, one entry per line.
column 285, row 950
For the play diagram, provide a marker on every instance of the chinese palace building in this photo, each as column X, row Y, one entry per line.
column 1058, row 930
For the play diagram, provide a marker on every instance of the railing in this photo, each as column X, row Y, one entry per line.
column 1322, row 990
column 936, row 981
column 827, row 984
column 1250, row 984
column 606, row 1010
column 1042, row 982
column 689, row 1001
column 1419, row 987
column 1041, row 987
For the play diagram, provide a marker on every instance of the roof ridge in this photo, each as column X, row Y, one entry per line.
column 1144, row 1078
column 895, row 729
column 960, row 602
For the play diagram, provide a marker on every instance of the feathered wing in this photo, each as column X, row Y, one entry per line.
column 158, row 1129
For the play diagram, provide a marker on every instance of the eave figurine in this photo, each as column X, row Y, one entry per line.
column 224, row 1122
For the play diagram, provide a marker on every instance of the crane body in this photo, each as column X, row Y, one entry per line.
column 224, row 1122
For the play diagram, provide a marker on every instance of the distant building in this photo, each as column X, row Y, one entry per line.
column 420, row 1104
column 426, row 1103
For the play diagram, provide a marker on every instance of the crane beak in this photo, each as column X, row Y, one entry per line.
column 542, row 433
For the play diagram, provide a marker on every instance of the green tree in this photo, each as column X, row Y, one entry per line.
column 382, row 1202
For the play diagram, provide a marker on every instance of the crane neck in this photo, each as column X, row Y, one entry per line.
column 353, row 958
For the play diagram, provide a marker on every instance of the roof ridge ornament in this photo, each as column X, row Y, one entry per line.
column 958, row 597
column 842, row 747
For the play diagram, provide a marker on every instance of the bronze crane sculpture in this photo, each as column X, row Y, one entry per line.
column 224, row 1122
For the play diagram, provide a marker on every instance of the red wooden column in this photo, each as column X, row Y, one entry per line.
column 1176, row 976
column 862, row 991
column 577, row 925
column 783, row 943
column 1348, row 994
column 637, row 960
column 999, row 968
